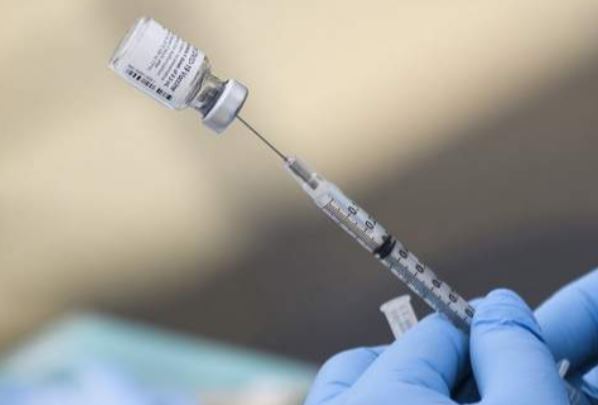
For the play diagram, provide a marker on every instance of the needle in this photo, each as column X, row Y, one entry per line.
column 267, row 142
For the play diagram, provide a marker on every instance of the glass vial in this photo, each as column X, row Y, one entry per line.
column 177, row 74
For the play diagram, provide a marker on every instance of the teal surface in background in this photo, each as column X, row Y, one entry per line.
column 151, row 356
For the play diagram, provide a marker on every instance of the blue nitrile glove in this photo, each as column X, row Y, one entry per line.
column 510, row 362
column 421, row 367
column 569, row 322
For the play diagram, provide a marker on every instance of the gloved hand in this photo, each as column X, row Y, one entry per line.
column 510, row 362
column 569, row 322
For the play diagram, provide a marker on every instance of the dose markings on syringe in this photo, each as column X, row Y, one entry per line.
column 352, row 225
column 402, row 263
column 425, row 283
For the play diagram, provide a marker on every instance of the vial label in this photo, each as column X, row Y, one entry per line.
column 159, row 63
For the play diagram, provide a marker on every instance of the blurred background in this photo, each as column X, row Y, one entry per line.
column 468, row 128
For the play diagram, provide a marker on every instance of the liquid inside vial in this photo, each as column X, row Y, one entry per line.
column 177, row 74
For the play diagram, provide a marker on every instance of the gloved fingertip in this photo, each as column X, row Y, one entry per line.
column 504, row 294
column 475, row 302
column 503, row 308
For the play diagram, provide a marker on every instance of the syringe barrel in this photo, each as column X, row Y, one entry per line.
column 340, row 208
column 424, row 282
column 370, row 234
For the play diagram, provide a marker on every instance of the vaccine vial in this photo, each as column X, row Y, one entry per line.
column 176, row 73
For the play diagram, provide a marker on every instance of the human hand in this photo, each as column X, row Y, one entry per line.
column 569, row 322
column 510, row 362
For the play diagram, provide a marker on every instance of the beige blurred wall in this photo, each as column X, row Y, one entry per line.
column 103, row 192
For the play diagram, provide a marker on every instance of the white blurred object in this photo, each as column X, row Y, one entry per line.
column 563, row 367
column 399, row 314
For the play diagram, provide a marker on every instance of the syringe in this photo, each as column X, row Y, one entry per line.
column 370, row 234
column 388, row 250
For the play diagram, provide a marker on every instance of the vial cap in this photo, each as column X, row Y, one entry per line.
column 399, row 314
column 226, row 107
